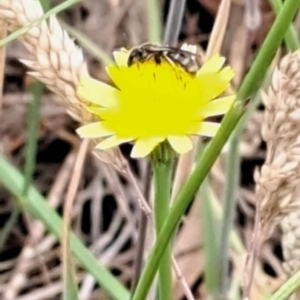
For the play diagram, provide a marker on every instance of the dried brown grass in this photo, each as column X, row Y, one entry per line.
column 55, row 61
column 65, row 89
column 278, row 181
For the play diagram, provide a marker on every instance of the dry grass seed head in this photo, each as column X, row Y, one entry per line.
column 291, row 242
column 278, row 181
column 56, row 60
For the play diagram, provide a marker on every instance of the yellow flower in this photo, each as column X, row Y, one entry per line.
column 154, row 103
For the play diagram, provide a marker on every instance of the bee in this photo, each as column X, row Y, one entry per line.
column 187, row 60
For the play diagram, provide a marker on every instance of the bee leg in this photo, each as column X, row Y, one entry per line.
column 157, row 59
column 170, row 60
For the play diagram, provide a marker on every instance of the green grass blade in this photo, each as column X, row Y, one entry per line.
column 230, row 197
column 37, row 206
column 288, row 288
column 36, row 91
column 250, row 84
column 18, row 33
column 70, row 286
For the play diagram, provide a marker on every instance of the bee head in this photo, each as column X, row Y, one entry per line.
column 137, row 55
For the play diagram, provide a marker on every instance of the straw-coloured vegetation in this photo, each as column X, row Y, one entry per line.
column 278, row 184
column 196, row 177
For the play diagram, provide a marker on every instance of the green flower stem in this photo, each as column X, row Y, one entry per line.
column 272, row 42
column 249, row 86
column 162, row 164
column 291, row 37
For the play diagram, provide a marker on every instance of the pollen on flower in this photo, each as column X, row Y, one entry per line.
column 155, row 102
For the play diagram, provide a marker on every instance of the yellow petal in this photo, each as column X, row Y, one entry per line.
column 213, row 84
column 217, row 107
column 226, row 74
column 121, row 57
column 93, row 130
column 111, row 142
column 213, row 65
column 97, row 92
column 143, row 146
column 97, row 110
column 116, row 76
column 180, row 143
column 208, row 129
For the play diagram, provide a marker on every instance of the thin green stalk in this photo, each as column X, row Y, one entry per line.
column 249, row 86
column 291, row 37
column 36, row 90
column 288, row 288
column 87, row 44
column 174, row 22
column 70, row 291
column 38, row 207
column 162, row 165
column 154, row 21
column 142, row 231
column 236, row 243
column 18, row 33
column 272, row 42
column 5, row 232
column 232, row 175
column 82, row 39
column 210, row 236
column 230, row 195
column 46, row 4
